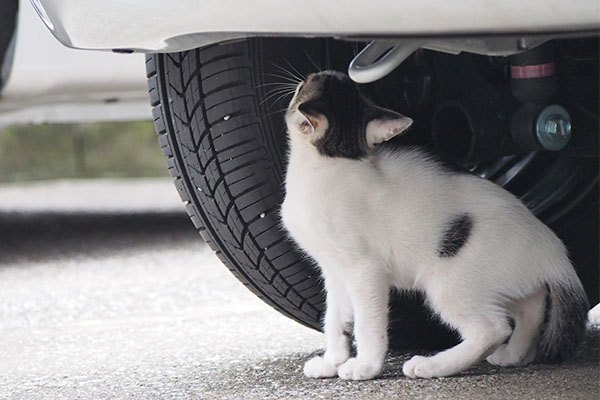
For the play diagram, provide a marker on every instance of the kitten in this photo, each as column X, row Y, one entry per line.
column 374, row 220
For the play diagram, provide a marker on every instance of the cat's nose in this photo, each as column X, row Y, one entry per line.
column 316, row 77
column 312, row 82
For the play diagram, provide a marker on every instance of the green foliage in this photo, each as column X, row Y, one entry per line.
column 99, row 150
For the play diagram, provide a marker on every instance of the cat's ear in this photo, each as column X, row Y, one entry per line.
column 310, row 117
column 382, row 129
column 302, row 123
column 306, row 126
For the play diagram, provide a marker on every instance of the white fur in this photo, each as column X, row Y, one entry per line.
column 376, row 223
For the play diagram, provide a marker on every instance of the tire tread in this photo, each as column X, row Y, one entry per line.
column 205, row 114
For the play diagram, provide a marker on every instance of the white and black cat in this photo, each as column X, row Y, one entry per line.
column 376, row 219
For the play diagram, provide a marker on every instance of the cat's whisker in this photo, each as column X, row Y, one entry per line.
column 267, row 98
column 288, row 72
column 289, row 79
column 275, row 83
column 279, row 92
column 282, row 96
column 319, row 69
column 276, row 112
column 279, row 89
column 294, row 69
column 297, row 77
column 279, row 85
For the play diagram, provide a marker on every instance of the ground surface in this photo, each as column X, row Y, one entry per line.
column 118, row 298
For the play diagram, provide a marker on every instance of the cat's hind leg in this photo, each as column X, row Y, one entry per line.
column 481, row 336
column 528, row 315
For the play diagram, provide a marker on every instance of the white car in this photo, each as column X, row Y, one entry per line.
column 505, row 89
column 43, row 81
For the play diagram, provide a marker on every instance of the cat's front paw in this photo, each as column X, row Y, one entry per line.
column 358, row 370
column 318, row 367
column 420, row 367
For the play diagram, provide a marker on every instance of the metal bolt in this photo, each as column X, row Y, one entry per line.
column 553, row 127
column 557, row 125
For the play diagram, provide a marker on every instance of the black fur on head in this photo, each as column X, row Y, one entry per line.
column 336, row 97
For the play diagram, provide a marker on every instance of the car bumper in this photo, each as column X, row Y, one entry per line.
column 163, row 26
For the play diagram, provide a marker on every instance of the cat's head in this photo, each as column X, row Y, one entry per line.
column 329, row 112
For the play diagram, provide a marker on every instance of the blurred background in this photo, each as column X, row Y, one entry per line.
column 67, row 113
column 76, row 131
column 80, row 151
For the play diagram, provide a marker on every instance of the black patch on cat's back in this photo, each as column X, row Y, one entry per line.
column 455, row 235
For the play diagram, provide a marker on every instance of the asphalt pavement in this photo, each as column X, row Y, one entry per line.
column 107, row 292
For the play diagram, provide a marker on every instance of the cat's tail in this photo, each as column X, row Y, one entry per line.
column 565, row 320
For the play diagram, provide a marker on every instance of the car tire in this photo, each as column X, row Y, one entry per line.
column 226, row 150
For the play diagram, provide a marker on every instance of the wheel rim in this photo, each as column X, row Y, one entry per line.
column 547, row 183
